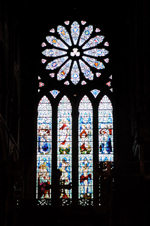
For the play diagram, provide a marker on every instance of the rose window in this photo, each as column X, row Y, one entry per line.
column 75, row 53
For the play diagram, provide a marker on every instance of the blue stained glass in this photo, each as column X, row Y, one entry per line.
column 93, row 42
column 53, row 52
column 96, row 52
column 54, row 93
column 95, row 92
column 85, row 158
column 64, row 151
column 56, row 42
column 86, row 70
column 75, row 31
column 64, row 70
column 75, row 73
column 86, row 34
column 105, row 126
column 64, row 34
column 93, row 62
column 56, row 63
column 44, row 149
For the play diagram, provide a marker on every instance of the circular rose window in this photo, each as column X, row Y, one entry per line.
column 75, row 52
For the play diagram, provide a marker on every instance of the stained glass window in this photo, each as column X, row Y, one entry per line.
column 64, row 151
column 85, row 137
column 73, row 51
column 44, row 149
column 105, row 127
column 73, row 75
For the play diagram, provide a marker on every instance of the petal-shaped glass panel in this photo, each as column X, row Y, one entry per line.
column 75, row 31
column 56, row 63
column 93, row 42
column 53, row 52
column 86, row 34
column 64, row 70
column 86, row 70
column 94, row 63
column 64, row 34
column 75, row 77
column 44, row 149
column 64, row 147
column 96, row 52
column 105, row 127
column 56, row 42
column 85, row 157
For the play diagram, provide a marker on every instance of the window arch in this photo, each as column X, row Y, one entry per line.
column 105, row 126
column 85, row 156
column 75, row 77
column 64, row 145
column 44, row 149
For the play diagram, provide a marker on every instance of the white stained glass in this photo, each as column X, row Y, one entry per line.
column 56, row 42
column 86, row 34
column 64, row 150
column 56, row 63
column 85, row 157
column 75, row 78
column 93, row 42
column 64, row 34
column 86, row 70
column 53, row 52
column 105, row 126
column 93, row 62
column 96, row 52
column 64, row 70
column 75, row 31
column 77, row 51
column 44, row 149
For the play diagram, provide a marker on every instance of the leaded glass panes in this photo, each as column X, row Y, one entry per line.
column 85, row 149
column 75, row 52
column 64, row 144
column 105, row 126
column 44, row 149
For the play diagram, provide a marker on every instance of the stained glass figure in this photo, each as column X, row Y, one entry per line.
column 105, row 126
column 44, row 149
column 85, row 157
column 78, row 50
column 64, row 152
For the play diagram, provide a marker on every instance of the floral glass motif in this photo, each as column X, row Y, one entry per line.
column 105, row 126
column 44, row 149
column 85, row 157
column 78, row 52
column 64, row 152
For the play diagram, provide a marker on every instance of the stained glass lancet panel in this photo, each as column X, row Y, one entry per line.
column 85, row 156
column 44, row 149
column 105, row 127
column 64, row 151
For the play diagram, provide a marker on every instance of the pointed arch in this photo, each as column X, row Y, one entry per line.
column 44, row 149
column 105, row 130
column 85, row 151
column 64, row 145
